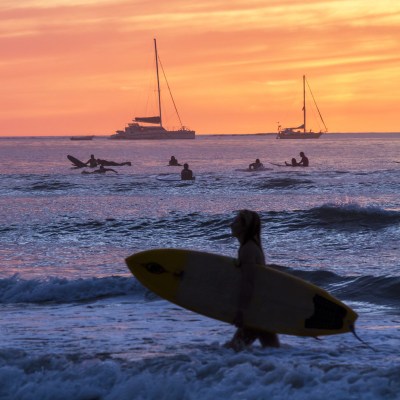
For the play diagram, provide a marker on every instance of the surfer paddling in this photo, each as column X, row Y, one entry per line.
column 246, row 227
column 101, row 170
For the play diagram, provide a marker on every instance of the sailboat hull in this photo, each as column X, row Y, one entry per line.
column 154, row 135
column 298, row 135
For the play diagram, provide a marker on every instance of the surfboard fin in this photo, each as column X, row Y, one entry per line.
column 353, row 331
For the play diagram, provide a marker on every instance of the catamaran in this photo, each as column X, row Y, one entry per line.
column 300, row 132
column 153, row 128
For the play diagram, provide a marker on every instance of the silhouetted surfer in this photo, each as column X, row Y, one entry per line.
column 256, row 165
column 293, row 163
column 186, row 173
column 304, row 160
column 92, row 162
column 246, row 227
column 173, row 162
column 101, row 170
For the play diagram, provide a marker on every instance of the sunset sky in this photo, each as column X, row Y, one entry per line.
column 87, row 66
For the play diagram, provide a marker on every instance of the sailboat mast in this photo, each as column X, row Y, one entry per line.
column 304, row 103
column 158, row 82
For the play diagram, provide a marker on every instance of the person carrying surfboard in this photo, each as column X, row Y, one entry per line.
column 246, row 227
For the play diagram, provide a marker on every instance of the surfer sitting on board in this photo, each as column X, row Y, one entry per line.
column 246, row 227
column 304, row 160
column 92, row 162
column 101, row 170
column 294, row 163
column 256, row 165
column 173, row 162
column 186, row 173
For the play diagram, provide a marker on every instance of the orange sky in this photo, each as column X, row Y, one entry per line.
column 85, row 66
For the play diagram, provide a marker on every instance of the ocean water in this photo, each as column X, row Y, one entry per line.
column 75, row 324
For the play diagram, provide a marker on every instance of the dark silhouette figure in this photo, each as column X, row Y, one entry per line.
column 101, row 170
column 92, row 162
column 293, row 163
column 173, row 162
column 246, row 227
column 304, row 160
column 186, row 173
column 256, row 165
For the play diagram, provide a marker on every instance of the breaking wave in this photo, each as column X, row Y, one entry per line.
column 60, row 290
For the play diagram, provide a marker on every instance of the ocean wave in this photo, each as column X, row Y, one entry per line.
column 60, row 290
column 179, row 225
column 349, row 216
column 51, row 185
column 354, row 215
column 283, row 183
column 369, row 289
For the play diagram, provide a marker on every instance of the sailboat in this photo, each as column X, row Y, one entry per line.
column 153, row 126
column 300, row 132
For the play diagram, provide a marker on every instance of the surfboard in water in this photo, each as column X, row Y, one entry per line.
column 77, row 163
column 209, row 285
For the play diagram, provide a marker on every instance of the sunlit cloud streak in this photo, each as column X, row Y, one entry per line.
column 233, row 68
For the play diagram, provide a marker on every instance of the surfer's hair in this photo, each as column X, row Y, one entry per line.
column 252, row 224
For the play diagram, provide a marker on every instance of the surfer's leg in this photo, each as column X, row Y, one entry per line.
column 242, row 338
column 269, row 339
column 248, row 336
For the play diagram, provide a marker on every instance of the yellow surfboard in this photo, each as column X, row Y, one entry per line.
column 209, row 284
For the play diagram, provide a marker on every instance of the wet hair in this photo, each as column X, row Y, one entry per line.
column 257, row 160
column 252, row 223
column 301, row 153
column 186, row 165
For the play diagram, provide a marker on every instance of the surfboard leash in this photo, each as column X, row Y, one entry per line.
column 353, row 331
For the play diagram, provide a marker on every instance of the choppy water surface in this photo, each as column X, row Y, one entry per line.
column 76, row 324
